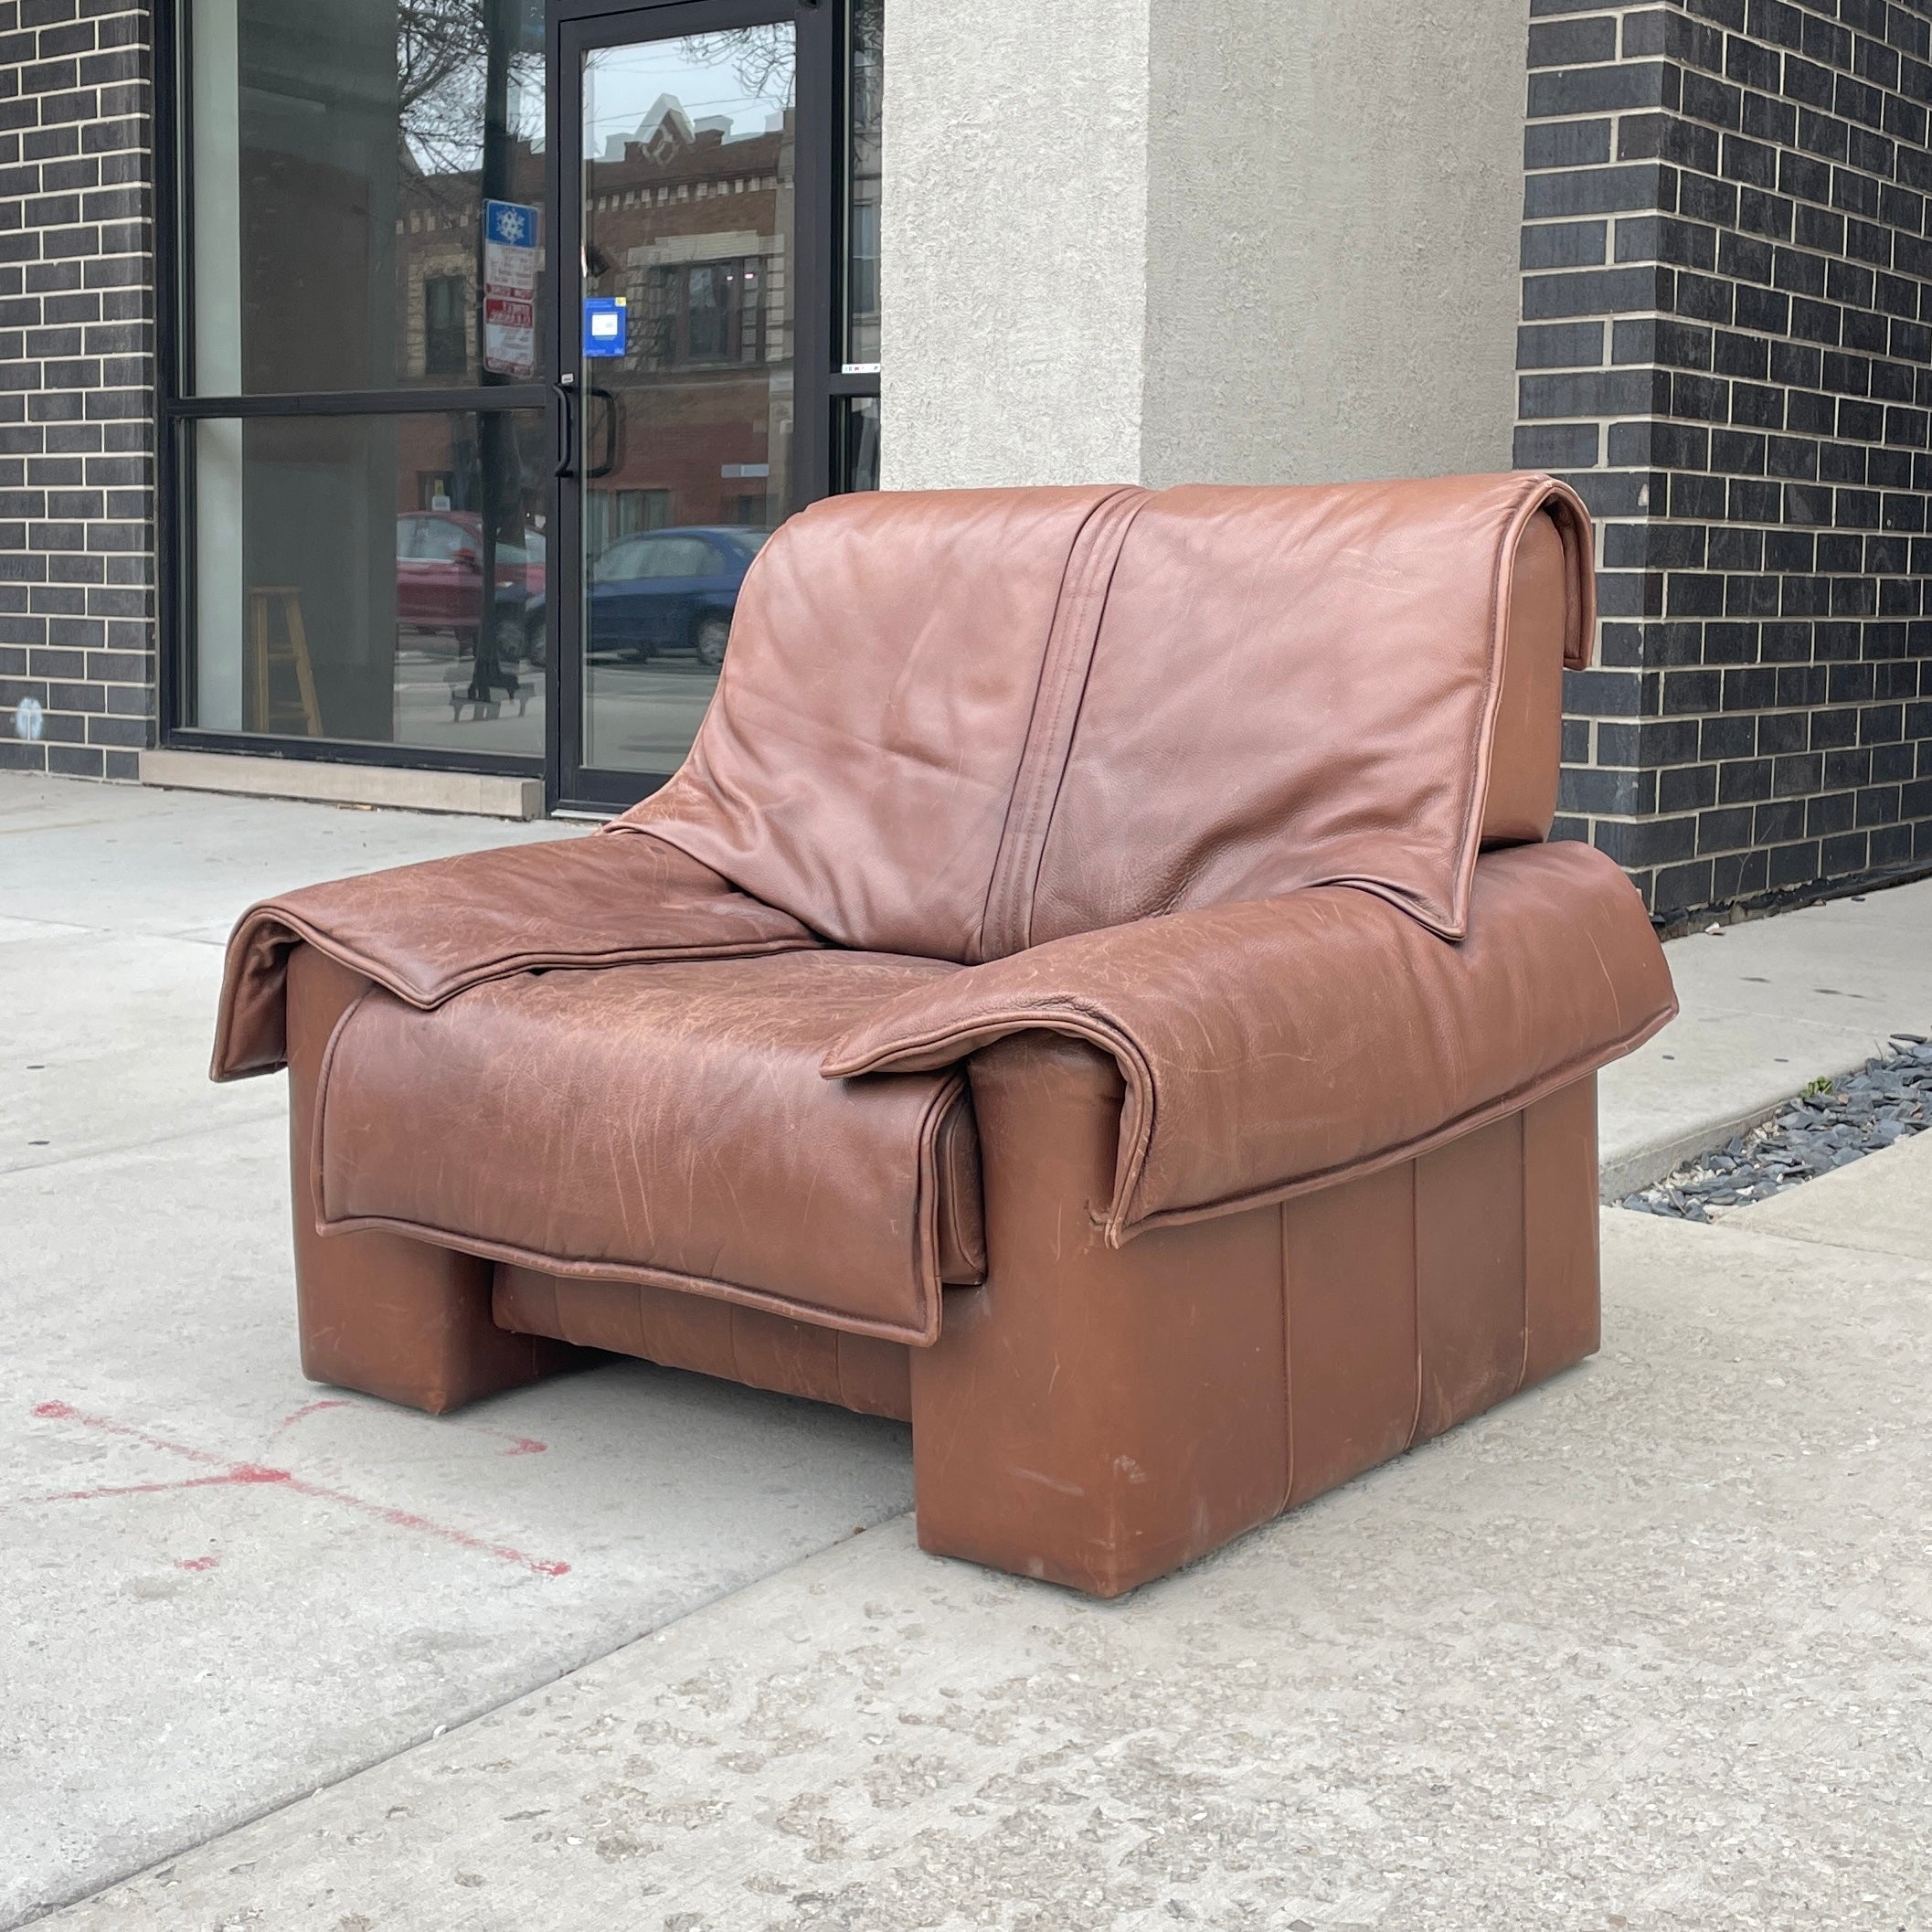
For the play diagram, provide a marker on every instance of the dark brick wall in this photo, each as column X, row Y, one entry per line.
column 76, row 387
column 1728, row 327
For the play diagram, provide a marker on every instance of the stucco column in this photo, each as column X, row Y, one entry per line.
column 1227, row 240
column 1013, row 255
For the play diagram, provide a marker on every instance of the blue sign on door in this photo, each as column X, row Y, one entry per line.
column 607, row 325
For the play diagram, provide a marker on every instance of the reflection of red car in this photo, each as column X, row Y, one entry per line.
column 439, row 575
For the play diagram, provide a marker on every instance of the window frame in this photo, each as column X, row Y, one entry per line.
column 824, row 382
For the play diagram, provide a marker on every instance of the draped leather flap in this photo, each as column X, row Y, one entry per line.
column 1301, row 686
column 428, row 932
column 663, row 1124
column 1277, row 1046
column 957, row 723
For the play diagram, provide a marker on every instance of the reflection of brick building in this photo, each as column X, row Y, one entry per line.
column 437, row 242
column 686, row 224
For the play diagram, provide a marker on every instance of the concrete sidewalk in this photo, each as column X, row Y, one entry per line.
column 1641, row 1645
column 1651, row 1647
column 182, row 1645
column 1769, row 1005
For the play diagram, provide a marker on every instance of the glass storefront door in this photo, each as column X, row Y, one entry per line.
column 500, row 335
column 681, row 294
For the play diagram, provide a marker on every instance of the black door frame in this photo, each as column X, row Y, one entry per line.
column 180, row 404
column 576, row 28
column 817, row 378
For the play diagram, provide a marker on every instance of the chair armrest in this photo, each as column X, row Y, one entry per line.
column 1275, row 1046
column 428, row 932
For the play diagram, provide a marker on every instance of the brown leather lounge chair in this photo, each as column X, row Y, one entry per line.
column 1096, row 989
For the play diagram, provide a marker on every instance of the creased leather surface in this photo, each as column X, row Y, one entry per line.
column 1275, row 1045
column 1296, row 687
column 857, row 762
column 668, row 1124
column 428, row 931
column 1012, row 726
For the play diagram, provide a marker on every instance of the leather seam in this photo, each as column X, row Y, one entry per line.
column 1522, row 1169
column 427, row 999
column 319, row 1119
column 1072, row 636
column 1287, row 1354
column 734, row 1292
column 1105, row 562
column 1414, row 1280
column 1469, row 838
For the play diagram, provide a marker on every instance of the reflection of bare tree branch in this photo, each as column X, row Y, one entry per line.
column 442, row 60
column 762, row 58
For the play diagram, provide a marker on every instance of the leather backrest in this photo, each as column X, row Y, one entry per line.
column 1300, row 687
column 859, row 760
column 959, row 722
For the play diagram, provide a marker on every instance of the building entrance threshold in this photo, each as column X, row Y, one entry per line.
column 475, row 793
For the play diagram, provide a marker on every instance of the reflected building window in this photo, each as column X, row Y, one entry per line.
column 705, row 312
column 446, row 325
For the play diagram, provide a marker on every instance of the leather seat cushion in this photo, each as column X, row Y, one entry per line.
column 665, row 1124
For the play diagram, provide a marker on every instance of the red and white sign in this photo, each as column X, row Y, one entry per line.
column 510, row 256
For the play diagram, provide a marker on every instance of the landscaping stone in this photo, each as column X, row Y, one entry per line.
column 1828, row 1125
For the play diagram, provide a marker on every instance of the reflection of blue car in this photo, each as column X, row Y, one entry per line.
column 669, row 590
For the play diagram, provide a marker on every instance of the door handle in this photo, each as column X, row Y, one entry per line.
column 613, row 429
column 566, row 413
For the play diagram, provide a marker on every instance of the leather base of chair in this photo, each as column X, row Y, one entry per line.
column 1091, row 1415
column 710, row 1338
column 1098, row 1416
column 381, row 1313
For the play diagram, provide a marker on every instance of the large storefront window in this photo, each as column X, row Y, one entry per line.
column 413, row 503
column 341, row 151
column 372, row 577
column 354, row 606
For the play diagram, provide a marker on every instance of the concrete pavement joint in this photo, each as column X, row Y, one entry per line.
column 270, row 1113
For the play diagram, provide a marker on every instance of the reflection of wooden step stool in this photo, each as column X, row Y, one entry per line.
column 271, row 711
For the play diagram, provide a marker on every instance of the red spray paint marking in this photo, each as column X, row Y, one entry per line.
column 196, row 1562
column 519, row 1445
column 309, row 1408
column 238, row 1473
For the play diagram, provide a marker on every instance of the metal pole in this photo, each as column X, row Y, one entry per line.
column 503, row 519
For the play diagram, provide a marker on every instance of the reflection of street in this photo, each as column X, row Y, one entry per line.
column 642, row 718
column 432, row 674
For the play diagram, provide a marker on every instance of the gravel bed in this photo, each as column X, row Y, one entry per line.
column 1831, row 1123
